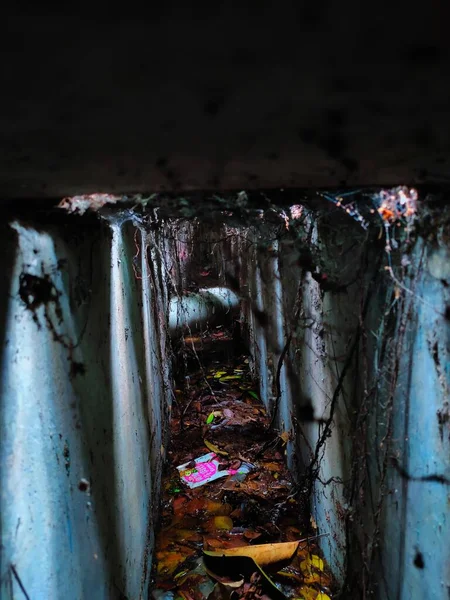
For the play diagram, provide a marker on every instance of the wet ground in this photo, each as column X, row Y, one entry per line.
column 241, row 532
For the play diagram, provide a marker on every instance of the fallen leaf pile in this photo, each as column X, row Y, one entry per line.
column 244, row 536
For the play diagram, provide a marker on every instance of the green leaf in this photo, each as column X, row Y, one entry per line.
column 212, row 416
column 253, row 394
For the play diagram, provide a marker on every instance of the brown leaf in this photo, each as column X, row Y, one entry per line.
column 178, row 503
column 272, row 467
column 231, row 583
column 168, row 562
column 249, row 534
column 194, row 506
column 217, row 508
column 263, row 554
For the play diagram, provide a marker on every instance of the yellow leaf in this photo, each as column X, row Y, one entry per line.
column 313, row 578
column 219, row 374
column 168, row 562
column 180, row 574
column 214, row 448
column 262, row 554
column 322, row 596
column 288, row 575
column 285, row 437
column 217, row 508
column 229, row 378
column 223, row 523
column 307, row 593
column 312, row 560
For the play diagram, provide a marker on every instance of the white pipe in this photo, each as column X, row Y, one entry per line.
column 193, row 311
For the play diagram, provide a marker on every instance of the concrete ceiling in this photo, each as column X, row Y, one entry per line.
column 202, row 97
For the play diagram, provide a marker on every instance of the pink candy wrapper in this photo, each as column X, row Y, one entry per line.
column 207, row 469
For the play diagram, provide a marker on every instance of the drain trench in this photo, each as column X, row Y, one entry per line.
column 301, row 350
column 253, row 508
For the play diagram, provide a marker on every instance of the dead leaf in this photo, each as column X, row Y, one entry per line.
column 249, row 534
column 217, row 508
column 178, row 503
column 285, row 437
column 226, row 581
column 313, row 578
column 194, row 506
column 290, row 576
column 307, row 593
column 187, row 535
column 220, row 592
column 213, row 542
column 168, row 562
column 272, row 466
column 263, row 554
column 214, row 448
column 224, row 566
column 237, row 513
column 219, row 374
column 223, row 522
column 312, row 561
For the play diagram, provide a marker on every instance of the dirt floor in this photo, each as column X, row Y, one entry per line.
column 243, row 534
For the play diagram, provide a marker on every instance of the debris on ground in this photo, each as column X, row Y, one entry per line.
column 207, row 468
column 232, row 526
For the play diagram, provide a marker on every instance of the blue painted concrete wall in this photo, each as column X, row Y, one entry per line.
column 82, row 450
column 84, row 408
column 388, row 535
column 414, row 553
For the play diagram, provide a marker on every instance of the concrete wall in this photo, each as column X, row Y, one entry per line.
column 388, row 351
column 407, row 484
column 321, row 337
column 84, row 408
column 224, row 96
column 85, row 396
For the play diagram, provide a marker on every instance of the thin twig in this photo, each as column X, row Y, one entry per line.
column 19, row 581
column 297, row 311
column 434, row 477
column 277, row 379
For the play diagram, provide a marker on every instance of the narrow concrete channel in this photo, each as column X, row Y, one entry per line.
column 233, row 522
column 304, row 344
